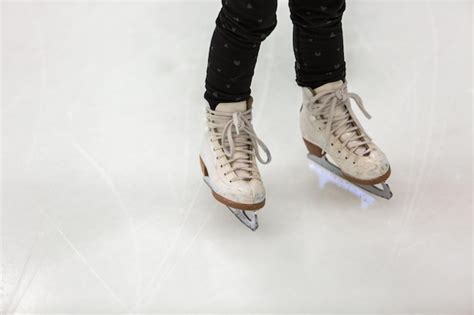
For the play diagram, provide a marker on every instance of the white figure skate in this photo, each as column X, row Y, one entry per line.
column 228, row 160
column 328, row 125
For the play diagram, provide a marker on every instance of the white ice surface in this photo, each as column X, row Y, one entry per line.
column 104, row 208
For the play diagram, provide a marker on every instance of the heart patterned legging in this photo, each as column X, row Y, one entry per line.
column 241, row 27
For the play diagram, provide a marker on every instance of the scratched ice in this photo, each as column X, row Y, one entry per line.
column 104, row 209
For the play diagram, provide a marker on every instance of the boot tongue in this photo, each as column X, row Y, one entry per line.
column 232, row 107
column 331, row 87
column 339, row 110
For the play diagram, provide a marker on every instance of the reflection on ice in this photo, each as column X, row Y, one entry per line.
column 326, row 176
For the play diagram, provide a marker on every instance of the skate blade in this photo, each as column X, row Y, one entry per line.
column 383, row 191
column 248, row 218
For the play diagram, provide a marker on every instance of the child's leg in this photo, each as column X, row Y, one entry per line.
column 328, row 124
column 240, row 28
column 318, row 41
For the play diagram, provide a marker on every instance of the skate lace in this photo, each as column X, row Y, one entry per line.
column 334, row 109
column 234, row 133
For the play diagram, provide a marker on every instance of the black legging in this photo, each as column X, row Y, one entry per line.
column 243, row 24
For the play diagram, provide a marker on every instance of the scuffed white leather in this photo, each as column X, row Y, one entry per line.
column 364, row 168
column 241, row 191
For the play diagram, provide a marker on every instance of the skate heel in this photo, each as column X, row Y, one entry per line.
column 203, row 168
column 313, row 149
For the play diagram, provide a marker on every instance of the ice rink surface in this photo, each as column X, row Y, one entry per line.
column 104, row 209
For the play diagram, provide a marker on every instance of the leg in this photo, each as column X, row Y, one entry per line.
column 230, row 149
column 318, row 41
column 240, row 28
column 328, row 124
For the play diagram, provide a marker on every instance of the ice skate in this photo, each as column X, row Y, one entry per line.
column 229, row 160
column 329, row 127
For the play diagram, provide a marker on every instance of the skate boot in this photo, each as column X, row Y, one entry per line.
column 328, row 125
column 228, row 160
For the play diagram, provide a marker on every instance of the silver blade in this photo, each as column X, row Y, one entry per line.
column 248, row 218
column 383, row 192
